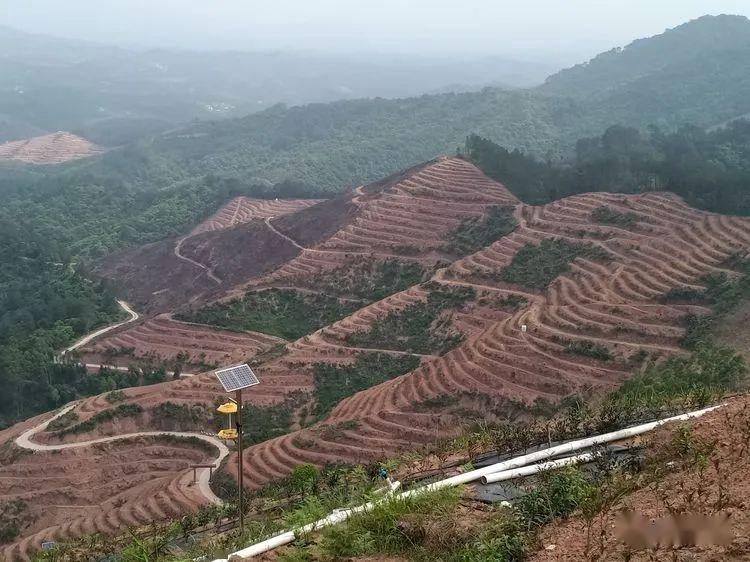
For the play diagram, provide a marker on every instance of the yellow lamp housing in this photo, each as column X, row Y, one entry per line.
column 228, row 434
column 228, row 408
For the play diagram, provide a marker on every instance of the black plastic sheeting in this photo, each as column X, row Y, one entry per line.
column 509, row 490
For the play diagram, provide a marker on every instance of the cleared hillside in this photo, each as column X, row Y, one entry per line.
column 566, row 298
column 48, row 149
column 585, row 330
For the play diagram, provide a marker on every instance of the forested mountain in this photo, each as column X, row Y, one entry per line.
column 112, row 95
column 161, row 185
column 715, row 36
column 329, row 146
column 710, row 170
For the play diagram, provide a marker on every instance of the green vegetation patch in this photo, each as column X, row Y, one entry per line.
column 587, row 348
column 536, row 266
column 172, row 416
column 421, row 327
column 331, row 432
column 506, row 303
column 694, row 381
column 190, row 441
column 115, row 396
column 333, row 383
column 608, row 215
column 431, row 526
column 284, row 313
column 473, row 234
column 261, row 423
column 722, row 292
column 14, row 516
column 368, row 279
column 121, row 411
column 67, row 419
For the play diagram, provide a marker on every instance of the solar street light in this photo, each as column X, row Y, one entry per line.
column 236, row 379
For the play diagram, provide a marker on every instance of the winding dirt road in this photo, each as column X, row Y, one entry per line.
column 204, row 474
column 208, row 271
column 284, row 236
column 87, row 338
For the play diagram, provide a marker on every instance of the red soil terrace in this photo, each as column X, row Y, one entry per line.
column 49, row 149
column 99, row 489
column 162, row 338
column 245, row 209
column 614, row 304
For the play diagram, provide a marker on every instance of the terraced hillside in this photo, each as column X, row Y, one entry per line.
column 164, row 339
column 48, row 149
column 245, row 209
column 405, row 218
column 160, row 277
column 408, row 217
column 587, row 325
column 569, row 298
column 586, row 330
column 102, row 488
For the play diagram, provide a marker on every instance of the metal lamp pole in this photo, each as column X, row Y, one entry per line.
column 234, row 379
column 240, row 461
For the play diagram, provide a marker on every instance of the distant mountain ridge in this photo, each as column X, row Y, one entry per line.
column 114, row 95
column 173, row 178
column 643, row 57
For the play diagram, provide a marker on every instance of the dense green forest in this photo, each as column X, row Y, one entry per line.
column 710, row 169
column 46, row 299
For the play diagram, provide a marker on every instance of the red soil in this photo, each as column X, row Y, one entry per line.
column 48, row 149
column 245, row 209
column 687, row 490
column 407, row 218
column 614, row 304
column 161, row 338
column 99, row 489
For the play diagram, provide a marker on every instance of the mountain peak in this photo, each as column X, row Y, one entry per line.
column 700, row 37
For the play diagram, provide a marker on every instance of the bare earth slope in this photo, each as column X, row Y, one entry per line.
column 231, row 246
column 611, row 300
column 717, row 489
column 48, row 149
column 404, row 217
column 615, row 305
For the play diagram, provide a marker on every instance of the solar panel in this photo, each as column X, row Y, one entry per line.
column 237, row 377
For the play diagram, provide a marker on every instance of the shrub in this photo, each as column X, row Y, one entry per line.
column 14, row 517
column 587, row 348
column 333, row 383
column 418, row 328
column 369, row 279
column 284, row 313
column 115, row 396
column 121, row 411
column 63, row 421
column 169, row 415
column 393, row 526
column 536, row 266
column 710, row 371
column 473, row 234
column 608, row 215
column 697, row 330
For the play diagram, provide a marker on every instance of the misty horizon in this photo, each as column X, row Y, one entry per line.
column 538, row 31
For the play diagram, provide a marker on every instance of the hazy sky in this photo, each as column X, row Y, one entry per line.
column 548, row 29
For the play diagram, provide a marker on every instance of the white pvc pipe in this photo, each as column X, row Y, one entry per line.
column 339, row 516
column 534, row 468
column 569, row 447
